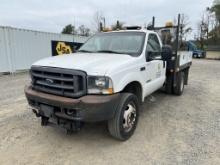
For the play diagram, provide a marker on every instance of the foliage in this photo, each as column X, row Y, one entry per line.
column 216, row 9
column 209, row 26
column 214, row 33
column 69, row 29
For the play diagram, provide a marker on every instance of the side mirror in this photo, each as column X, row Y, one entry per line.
column 149, row 56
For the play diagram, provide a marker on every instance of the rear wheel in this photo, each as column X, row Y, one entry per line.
column 179, row 88
column 124, row 123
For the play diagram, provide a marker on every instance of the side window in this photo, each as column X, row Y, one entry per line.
column 153, row 46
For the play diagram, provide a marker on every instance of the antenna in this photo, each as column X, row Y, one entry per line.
column 151, row 25
column 153, row 22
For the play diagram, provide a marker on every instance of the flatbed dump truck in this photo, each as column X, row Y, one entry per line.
column 107, row 79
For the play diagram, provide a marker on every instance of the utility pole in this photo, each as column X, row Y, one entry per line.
column 117, row 25
column 153, row 22
column 103, row 18
column 100, row 27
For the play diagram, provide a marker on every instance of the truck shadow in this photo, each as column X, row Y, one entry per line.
column 99, row 131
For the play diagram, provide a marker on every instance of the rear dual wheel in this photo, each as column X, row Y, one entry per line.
column 124, row 123
column 179, row 88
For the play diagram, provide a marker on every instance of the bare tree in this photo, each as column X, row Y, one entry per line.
column 203, row 30
column 83, row 31
column 185, row 28
column 207, row 20
column 216, row 9
column 97, row 18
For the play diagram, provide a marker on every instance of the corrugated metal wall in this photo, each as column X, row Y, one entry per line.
column 19, row 48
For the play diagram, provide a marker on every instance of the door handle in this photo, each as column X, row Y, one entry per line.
column 142, row 68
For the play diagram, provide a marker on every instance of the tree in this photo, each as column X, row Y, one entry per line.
column 215, row 31
column 83, row 31
column 201, row 32
column 185, row 29
column 97, row 18
column 69, row 29
column 216, row 9
column 209, row 26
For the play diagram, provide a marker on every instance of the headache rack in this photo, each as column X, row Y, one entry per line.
column 176, row 28
column 59, row 81
column 176, row 50
column 174, row 41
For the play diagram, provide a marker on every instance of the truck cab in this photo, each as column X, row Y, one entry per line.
column 106, row 80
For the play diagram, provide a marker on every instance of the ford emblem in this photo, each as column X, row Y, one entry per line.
column 49, row 81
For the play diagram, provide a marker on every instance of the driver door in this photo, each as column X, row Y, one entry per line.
column 155, row 65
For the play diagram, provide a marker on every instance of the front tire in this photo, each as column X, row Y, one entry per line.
column 125, row 120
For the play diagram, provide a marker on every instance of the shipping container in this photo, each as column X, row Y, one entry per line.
column 19, row 48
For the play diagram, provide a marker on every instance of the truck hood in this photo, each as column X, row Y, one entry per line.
column 92, row 63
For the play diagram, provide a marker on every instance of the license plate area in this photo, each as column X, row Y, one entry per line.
column 47, row 110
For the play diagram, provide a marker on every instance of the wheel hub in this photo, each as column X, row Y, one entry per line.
column 129, row 117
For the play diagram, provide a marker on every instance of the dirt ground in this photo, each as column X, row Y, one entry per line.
column 171, row 130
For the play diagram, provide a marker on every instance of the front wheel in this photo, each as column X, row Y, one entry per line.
column 125, row 120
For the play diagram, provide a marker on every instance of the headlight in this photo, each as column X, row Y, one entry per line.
column 99, row 85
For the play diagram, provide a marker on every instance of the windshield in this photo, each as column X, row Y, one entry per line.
column 117, row 42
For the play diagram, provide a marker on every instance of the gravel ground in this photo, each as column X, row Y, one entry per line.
column 171, row 129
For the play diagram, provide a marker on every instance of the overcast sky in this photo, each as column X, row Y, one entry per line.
column 53, row 15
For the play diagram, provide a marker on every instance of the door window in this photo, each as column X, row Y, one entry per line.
column 153, row 46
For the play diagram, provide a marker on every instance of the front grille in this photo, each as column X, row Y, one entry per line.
column 58, row 81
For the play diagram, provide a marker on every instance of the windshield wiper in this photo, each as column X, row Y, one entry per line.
column 110, row 51
column 102, row 51
column 85, row 51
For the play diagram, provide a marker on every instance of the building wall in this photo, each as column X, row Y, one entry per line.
column 213, row 54
column 20, row 48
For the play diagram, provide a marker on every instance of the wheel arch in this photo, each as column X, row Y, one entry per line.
column 134, row 87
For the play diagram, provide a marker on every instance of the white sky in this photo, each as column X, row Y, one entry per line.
column 53, row 15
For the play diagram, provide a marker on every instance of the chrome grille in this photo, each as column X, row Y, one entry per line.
column 58, row 81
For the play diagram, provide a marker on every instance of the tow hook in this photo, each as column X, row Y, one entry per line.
column 36, row 112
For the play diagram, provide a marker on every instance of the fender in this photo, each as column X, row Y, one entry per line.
column 122, row 82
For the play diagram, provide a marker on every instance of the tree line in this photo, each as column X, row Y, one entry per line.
column 98, row 23
column 208, row 32
column 71, row 29
column 209, row 26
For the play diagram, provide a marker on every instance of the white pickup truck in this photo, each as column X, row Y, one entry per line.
column 106, row 80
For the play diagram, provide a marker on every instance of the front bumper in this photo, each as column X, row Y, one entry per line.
column 88, row 108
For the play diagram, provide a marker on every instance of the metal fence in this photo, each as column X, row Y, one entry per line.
column 19, row 48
